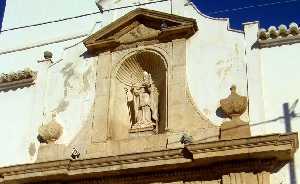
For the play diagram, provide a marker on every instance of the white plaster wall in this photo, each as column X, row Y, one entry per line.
column 21, row 110
column 215, row 56
column 20, row 13
column 281, row 79
column 66, row 87
column 272, row 81
column 216, row 60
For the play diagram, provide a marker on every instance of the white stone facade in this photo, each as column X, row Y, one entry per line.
column 217, row 57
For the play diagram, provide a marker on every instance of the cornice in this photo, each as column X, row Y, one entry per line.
column 279, row 36
column 279, row 41
column 270, row 152
column 280, row 147
column 17, row 80
column 167, row 26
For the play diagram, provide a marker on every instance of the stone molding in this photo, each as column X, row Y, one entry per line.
column 142, row 26
column 254, row 154
column 278, row 42
column 278, row 36
column 273, row 146
column 20, row 79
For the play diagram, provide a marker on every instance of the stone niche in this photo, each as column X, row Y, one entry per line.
column 132, row 71
column 141, row 88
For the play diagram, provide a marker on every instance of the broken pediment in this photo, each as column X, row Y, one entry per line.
column 140, row 25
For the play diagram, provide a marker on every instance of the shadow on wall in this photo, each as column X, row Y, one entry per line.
column 288, row 115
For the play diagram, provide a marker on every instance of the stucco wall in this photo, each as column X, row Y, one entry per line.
column 67, row 86
column 22, row 110
column 272, row 81
column 215, row 62
column 280, row 85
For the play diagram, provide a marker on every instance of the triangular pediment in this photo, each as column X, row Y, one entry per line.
column 140, row 25
column 138, row 33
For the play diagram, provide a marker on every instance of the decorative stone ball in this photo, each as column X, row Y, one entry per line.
column 48, row 55
column 263, row 34
column 50, row 132
column 294, row 30
column 283, row 31
column 234, row 104
column 273, row 32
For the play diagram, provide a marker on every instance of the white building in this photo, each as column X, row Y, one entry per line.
column 265, row 70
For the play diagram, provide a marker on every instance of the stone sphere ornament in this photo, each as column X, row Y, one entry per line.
column 234, row 105
column 49, row 133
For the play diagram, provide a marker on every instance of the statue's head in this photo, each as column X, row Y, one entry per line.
column 147, row 80
column 233, row 89
column 145, row 75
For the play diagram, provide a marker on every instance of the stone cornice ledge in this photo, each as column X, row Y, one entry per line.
column 20, row 79
column 278, row 42
column 278, row 147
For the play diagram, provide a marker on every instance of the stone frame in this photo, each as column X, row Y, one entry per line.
column 168, row 42
column 107, row 39
column 123, row 55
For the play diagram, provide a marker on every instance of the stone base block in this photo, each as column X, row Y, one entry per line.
column 51, row 152
column 246, row 178
column 234, row 130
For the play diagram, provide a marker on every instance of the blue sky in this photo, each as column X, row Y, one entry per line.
column 276, row 13
column 2, row 6
column 268, row 12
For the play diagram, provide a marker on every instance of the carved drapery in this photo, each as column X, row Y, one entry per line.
column 144, row 75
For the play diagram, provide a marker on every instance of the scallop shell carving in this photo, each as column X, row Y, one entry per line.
column 131, row 70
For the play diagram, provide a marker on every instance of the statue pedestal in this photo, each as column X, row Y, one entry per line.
column 234, row 129
column 51, row 152
column 142, row 132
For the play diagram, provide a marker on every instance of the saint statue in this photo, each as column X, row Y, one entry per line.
column 145, row 104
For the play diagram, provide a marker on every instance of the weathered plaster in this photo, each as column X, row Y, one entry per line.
column 217, row 57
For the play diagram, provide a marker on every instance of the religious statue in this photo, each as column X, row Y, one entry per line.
column 144, row 111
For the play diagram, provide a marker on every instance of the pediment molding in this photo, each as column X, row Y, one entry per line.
column 140, row 25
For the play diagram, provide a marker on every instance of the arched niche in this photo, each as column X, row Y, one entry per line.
column 131, row 72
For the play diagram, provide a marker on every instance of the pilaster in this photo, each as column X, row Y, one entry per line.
column 102, row 98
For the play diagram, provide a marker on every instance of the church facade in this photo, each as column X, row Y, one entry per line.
column 147, row 92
